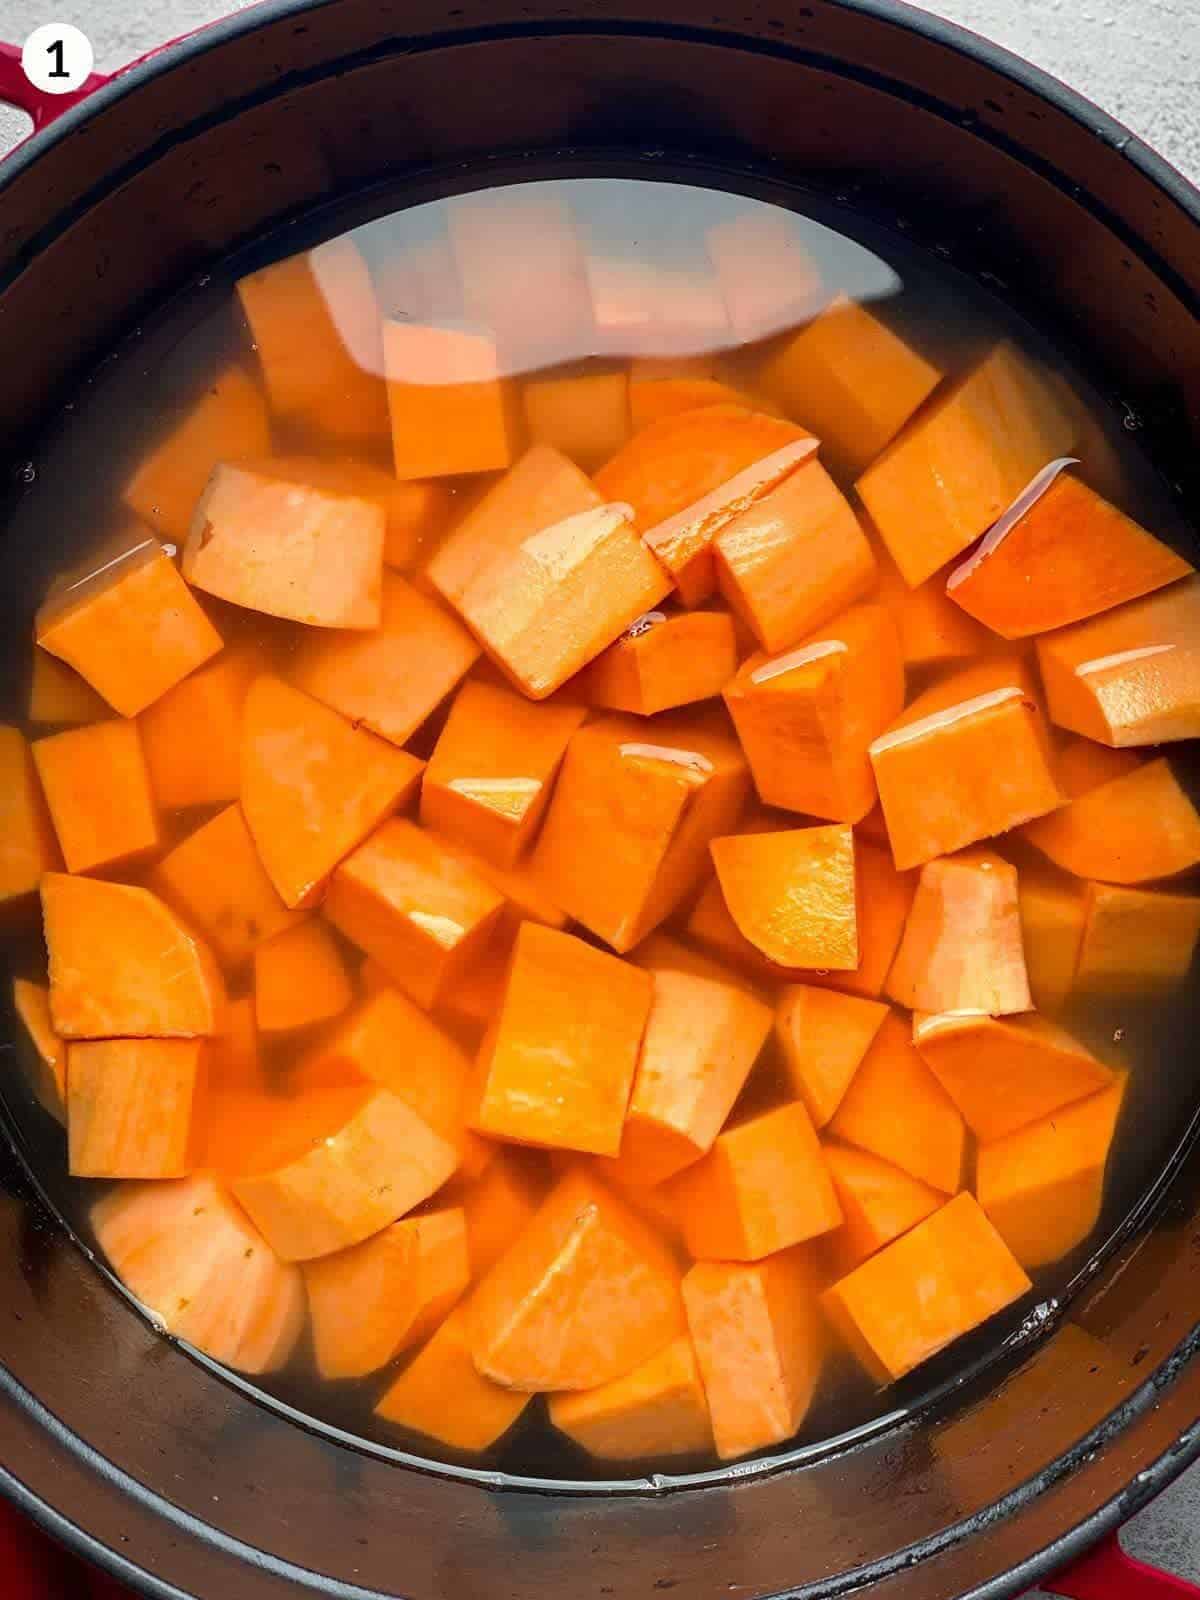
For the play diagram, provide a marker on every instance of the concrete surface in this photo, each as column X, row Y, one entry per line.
column 1141, row 63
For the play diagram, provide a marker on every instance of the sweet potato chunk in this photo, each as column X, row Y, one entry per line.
column 129, row 1107
column 28, row 847
column 1129, row 830
column 48, row 1064
column 896, row 1109
column 98, row 791
column 1130, row 676
column 822, row 1037
column 123, row 965
column 585, row 1294
column 962, row 948
column 1053, row 908
column 442, row 1394
column 792, row 894
column 498, row 1206
column 933, row 630
column 879, row 1202
column 299, row 978
column 807, row 718
column 451, row 409
column 232, row 1060
column 663, row 388
column 585, row 415
column 663, row 661
column 962, row 461
column 767, row 277
column 131, row 628
column 558, row 1065
column 59, row 697
column 761, row 1344
column 656, row 1411
column 946, row 1276
column 289, row 549
column 194, row 1258
column 649, row 801
column 762, row 1187
column 389, row 680
column 313, row 786
column 1135, row 941
column 192, row 735
column 372, row 1302
column 1081, row 765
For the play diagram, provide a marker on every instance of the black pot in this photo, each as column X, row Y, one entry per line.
column 150, row 1461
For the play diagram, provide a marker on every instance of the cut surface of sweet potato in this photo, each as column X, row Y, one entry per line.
column 822, row 1036
column 1135, row 941
column 657, row 1410
column 48, row 1063
column 130, row 1107
column 662, row 661
column 1132, row 829
column 583, row 414
column 28, row 847
column 97, row 788
column 300, row 978
column 879, row 1202
column 192, row 735
column 58, row 696
column 451, row 409
column 792, row 894
column 442, row 1394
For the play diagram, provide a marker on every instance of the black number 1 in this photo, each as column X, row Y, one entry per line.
column 56, row 50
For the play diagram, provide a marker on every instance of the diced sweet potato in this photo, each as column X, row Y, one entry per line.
column 28, row 847
column 948, row 1275
column 131, row 628
column 192, row 735
column 232, row 1060
column 763, row 1187
column 807, row 718
column 768, row 279
column 1042, row 1186
column 795, row 558
column 314, row 322
column 1081, row 765
column 389, row 680
column 584, row 1295
column 1005, row 1073
column 879, row 1202
column 851, row 380
column 123, row 965
column 489, row 779
column 664, row 660
column 896, row 1109
column 98, row 792
column 1129, row 830
column 289, row 549
column 822, row 1037
column 1135, row 941
column 933, row 630
column 557, row 1066
column 299, row 978
column 313, row 786
column 1070, row 556
column 647, row 807
column 48, row 1062
column 372, row 1302
column 442, row 1394
column 59, row 697
column 656, row 1411
column 585, row 415
column 186, row 1251
column 129, row 1107
column 761, row 1344
column 229, row 419
column 968, row 759
column 414, row 905
column 663, row 388
column 498, row 1206
column 962, row 461
column 792, row 894
column 1131, row 676
column 1053, row 907
column 451, row 409
column 962, row 948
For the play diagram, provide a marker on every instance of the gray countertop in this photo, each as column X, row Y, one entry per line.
column 1141, row 63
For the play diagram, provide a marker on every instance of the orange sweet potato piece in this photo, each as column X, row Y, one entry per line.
column 761, row 1344
column 1004, row 1073
column 192, row 736
column 793, row 559
column 1042, row 1186
column 97, row 788
column 123, row 965
column 129, row 1107
column 1053, row 908
column 489, row 779
column 1130, row 676
column 391, row 679
column 418, row 908
column 1082, row 764
column 662, row 661
column 962, row 948
column 933, row 630
column 314, row 322
column 48, row 1066
column 822, row 1037
column 656, row 1411
column 962, row 461
column 132, row 628
column 660, row 389
column 372, row 1302
column 807, row 718
column 762, row 1187
column 768, row 279
column 585, row 1293
column 442, row 1394
column 968, row 759
column 792, row 894
column 924, row 1290
column 498, row 1205
column 1129, row 830
column 650, row 801
column 1135, row 941
column 313, row 786
column 585, row 415
column 299, row 978
column 58, row 696
column 451, row 409
column 879, row 1202
column 851, row 380
column 557, row 1065
column 229, row 419
column 896, row 1109
column 186, row 1251
column 27, row 844
column 232, row 1060
column 291, row 550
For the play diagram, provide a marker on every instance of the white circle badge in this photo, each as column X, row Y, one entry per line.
column 57, row 58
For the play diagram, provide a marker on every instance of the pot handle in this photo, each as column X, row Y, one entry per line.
column 1107, row 1573
column 16, row 89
